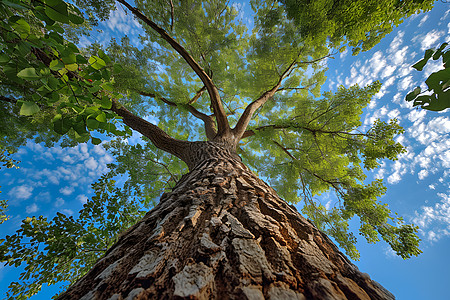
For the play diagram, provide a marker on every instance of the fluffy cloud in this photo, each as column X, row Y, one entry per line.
column 21, row 192
column 434, row 220
column 59, row 202
column 91, row 164
column 67, row 211
column 31, row 208
column 82, row 198
column 406, row 83
column 67, row 190
column 119, row 22
column 430, row 39
column 422, row 174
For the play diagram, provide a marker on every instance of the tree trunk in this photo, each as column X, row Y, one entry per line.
column 222, row 233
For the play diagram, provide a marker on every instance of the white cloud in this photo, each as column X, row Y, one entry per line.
column 434, row 220
column 424, row 19
column 90, row 163
column 432, row 187
column 394, row 178
column 444, row 17
column 59, row 202
column 67, row 211
column 396, row 42
column 82, row 198
column 405, row 83
column 430, row 39
column 399, row 56
column 417, row 115
column 22, row 192
column 394, row 114
column 43, row 196
column 435, row 129
column 422, row 174
column 67, row 190
column 388, row 71
column 343, row 54
column 120, row 21
column 31, row 208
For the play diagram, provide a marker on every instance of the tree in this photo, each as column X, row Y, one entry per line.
column 361, row 24
column 255, row 98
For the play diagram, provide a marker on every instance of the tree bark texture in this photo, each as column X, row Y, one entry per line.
column 222, row 233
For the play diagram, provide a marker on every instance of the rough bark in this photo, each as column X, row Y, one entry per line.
column 222, row 233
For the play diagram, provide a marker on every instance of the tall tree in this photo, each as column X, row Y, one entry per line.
column 245, row 99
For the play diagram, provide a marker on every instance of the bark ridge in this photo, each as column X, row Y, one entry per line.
column 222, row 233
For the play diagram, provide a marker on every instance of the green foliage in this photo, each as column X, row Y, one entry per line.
column 360, row 24
column 9, row 163
column 64, row 248
column 63, row 88
column 437, row 96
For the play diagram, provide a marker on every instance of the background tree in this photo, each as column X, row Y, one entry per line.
column 257, row 94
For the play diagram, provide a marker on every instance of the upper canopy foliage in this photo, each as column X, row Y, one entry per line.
column 203, row 74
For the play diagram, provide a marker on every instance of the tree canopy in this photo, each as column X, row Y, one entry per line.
column 202, row 74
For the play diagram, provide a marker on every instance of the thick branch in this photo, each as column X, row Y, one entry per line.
column 219, row 112
column 247, row 115
column 210, row 126
column 7, row 99
column 251, row 132
column 244, row 120
column 158, row 137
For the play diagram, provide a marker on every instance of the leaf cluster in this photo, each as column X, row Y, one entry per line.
column 360, row 24
column 437, row 97
column 63, row 249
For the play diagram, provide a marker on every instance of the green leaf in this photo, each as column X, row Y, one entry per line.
column 28, row 74
column 68, row 58
column 106, row 103
column 92, row 124
column 56, row 65
column 82, row 138
column 421, row 63
column 101, row 117
column 61, row 125
column 438, row 52
column 103, row 56
column 413, row 94
column 434, row 80
column 117, row 68
column 4, row 58
column 72, row 67
column 96, row 62
column 96, row 141
column 81, row 59
column 13, row 5
column 76, row 19
column 57, row 11
column 29, row 108
column 22, row 27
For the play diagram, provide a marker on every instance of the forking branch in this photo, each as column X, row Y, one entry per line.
column 219, row 111
column 244, row 120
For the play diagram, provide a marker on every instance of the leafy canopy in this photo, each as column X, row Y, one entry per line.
column 304, row 142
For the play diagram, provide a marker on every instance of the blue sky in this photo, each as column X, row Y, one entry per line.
column 58, row 179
